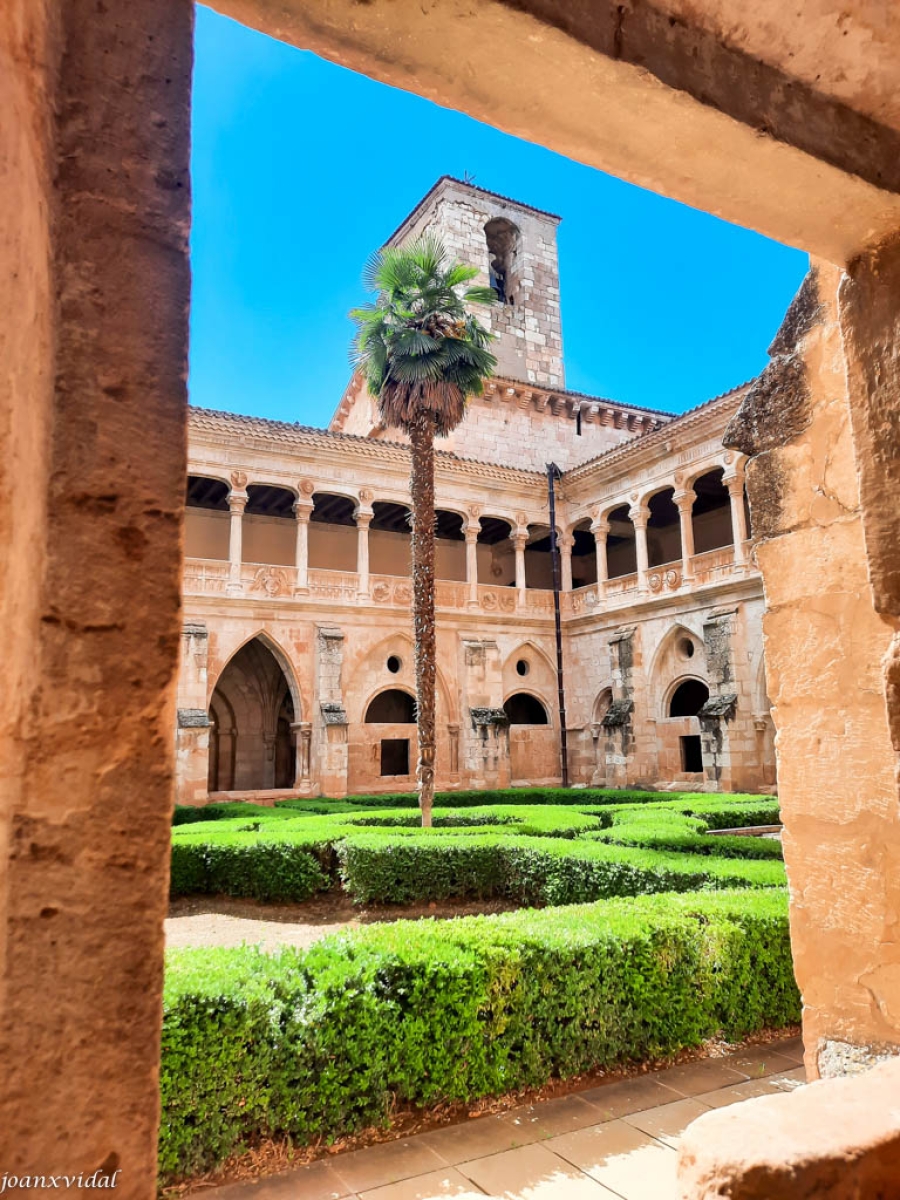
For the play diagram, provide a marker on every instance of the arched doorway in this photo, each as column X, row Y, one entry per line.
column 393, row 707
column 252, row 744
column 533, row 743
column 686, row 700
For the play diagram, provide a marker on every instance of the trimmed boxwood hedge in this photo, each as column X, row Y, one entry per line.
column 534, row 854
column 325, row 1041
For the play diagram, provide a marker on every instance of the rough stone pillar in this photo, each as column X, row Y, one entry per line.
column 600, row 530
column 822, row 426
column 640, row 515
column 363, row 518
column 617, row 722
column 302, row 512
column 485, row 743
column 684, row 501
column 192, row 731
column 472, row 531
column 94, row 292
column 519, row 539
column 735, row 484
column 565, row 542
column 332, row 718
column 717, row 714
column 237, row 502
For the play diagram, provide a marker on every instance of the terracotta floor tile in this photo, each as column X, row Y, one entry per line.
column 702, row 1076
column 746, row 1091
column 614, row 1100
column 628, row 1162
column 793, row 1049
column 532, row 1173
column 756, row 1062
column 797, row 1076
column 390, row 1162
column 477, row 1138
column 318, row 1181
column 433, row 1186
column 551, row 1117
column 668, row 1122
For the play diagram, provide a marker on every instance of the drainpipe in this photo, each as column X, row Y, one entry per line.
column 554, row 473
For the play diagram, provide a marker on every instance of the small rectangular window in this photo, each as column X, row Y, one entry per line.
column 395, row 756
column 578, row 423
column 691, row 753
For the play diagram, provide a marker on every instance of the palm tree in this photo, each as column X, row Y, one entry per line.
column 423, row 355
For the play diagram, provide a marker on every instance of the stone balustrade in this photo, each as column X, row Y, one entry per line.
column 277, row 582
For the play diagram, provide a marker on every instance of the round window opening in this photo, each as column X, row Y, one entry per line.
column 686, row 647
column 523, row 667
column 394, row 664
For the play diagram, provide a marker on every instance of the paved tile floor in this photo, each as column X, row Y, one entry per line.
column 613, row 1142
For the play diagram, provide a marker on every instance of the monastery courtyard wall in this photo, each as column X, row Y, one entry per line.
column 326, row 592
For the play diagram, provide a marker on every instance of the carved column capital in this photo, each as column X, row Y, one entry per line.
column 303, row 509
column 734, row 483
column 237, row 501
column 639, row 515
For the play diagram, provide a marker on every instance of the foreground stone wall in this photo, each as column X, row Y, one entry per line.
column 94, row 198
column 829, row 650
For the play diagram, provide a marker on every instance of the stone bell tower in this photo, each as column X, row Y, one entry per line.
column 514, row 248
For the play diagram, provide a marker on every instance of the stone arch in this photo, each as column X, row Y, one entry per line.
column 521, row 705
column 502, row 237
column 391, row 706
column 621, row 542
column 541, row 675
column 374, row 664
column 281, row 657
column 254, row 694
column 666, row 662
column 602, row 703
column 684, row 694
column 663, row 527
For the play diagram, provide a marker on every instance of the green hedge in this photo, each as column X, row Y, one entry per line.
column 477, row 799
column 323, row 1042
column 534, row 854
column 529, row 870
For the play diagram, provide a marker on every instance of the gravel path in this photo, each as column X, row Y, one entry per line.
column 222, row 921
column 221, row 929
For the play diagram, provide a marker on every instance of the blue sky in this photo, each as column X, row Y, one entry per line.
column 302, row 168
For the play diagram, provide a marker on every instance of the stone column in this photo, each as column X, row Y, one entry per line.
column 237, row 502
column 684, row 501
column 302, row 731
column 519, row 539
column 302, row 512
column 565, row 542
column 640, row 515
column 363, row 520
column 735, row 485
column 472, row 531
column 600, row 530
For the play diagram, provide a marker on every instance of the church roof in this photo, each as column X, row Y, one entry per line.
column 471, row 187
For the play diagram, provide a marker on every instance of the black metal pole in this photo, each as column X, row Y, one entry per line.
column 554, row 473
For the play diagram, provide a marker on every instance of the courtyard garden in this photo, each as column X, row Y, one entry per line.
column 633, row 933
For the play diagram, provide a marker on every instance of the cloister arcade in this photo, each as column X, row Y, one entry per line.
column 352, row 537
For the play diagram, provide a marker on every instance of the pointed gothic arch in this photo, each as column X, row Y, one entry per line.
column 254, row 707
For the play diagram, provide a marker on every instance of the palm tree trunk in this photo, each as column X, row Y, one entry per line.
column 421, row 436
